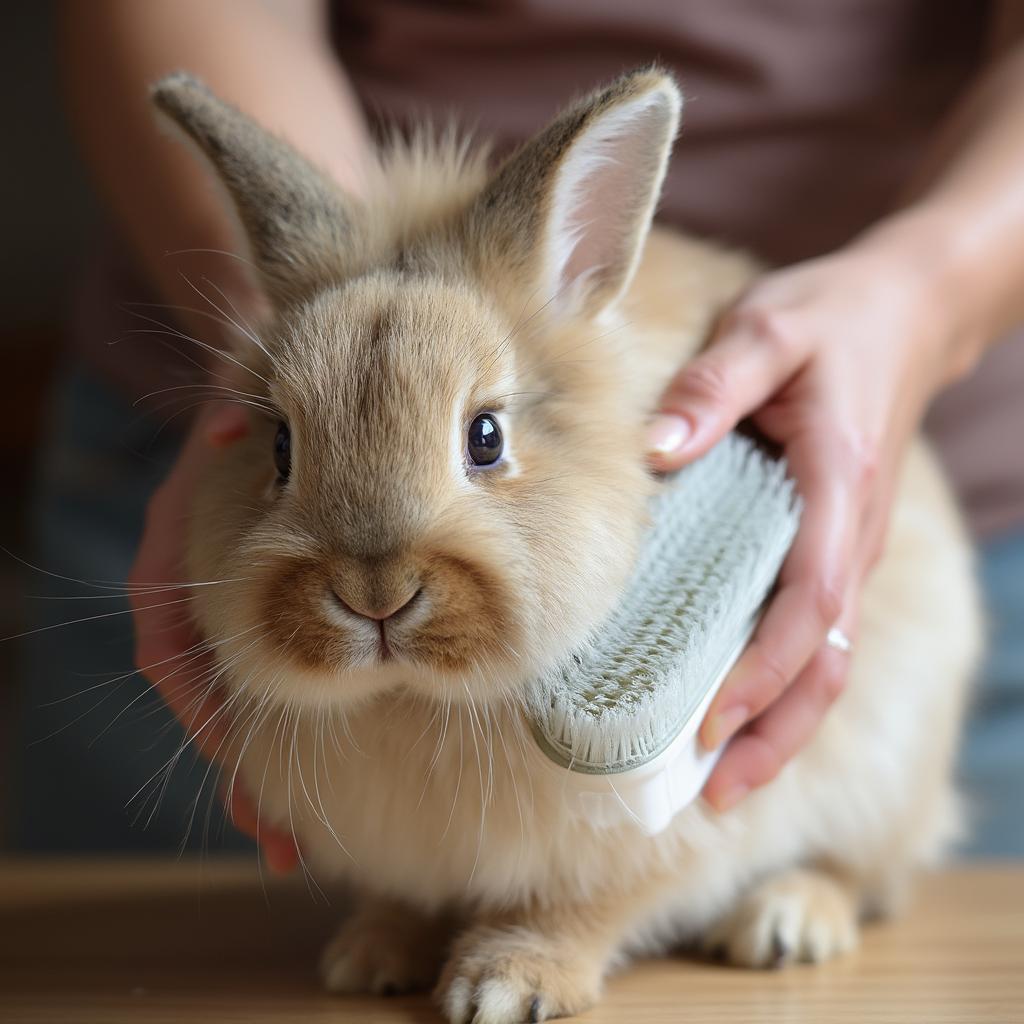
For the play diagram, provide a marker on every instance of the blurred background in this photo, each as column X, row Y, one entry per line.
column 48, row 216
column 79, row 730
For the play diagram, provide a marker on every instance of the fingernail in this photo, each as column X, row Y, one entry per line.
column 731, row 797
column 724, row 724
column 668, row 433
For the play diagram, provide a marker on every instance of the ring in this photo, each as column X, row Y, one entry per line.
column 839, row 640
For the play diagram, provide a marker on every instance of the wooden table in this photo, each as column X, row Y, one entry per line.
column 166, row 942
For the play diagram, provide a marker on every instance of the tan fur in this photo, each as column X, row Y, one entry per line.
column 450, row 292
column 386, row 948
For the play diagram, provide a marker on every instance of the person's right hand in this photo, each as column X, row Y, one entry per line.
column 168, row 652
column 835, row 360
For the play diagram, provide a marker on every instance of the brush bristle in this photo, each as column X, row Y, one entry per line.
column 720, row 531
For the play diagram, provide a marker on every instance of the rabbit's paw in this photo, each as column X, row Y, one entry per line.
column 797, row 916
column 508, row 975
column 386, row 950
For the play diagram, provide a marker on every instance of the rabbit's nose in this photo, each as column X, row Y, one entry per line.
column 378, row 613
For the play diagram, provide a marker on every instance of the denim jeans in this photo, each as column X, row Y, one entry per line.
column 94, row 740
column 991, row 767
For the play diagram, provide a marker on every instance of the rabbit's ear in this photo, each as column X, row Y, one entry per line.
column 294, row 217
column 571, row 209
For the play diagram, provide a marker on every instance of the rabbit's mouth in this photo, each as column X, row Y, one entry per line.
column 438, row 617
column 382, row 626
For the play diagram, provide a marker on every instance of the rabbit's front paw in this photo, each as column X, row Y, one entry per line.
column 384, row 949
column 797, row 916
column 508, row 975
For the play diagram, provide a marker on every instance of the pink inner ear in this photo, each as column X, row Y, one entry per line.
column 605, row 197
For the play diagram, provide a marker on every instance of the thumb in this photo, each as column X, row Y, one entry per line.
column 747, row 361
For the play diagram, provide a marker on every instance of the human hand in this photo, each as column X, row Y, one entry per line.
column 167, row 650
column 835, row 360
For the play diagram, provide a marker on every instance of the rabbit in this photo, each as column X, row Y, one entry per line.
column 441, row 493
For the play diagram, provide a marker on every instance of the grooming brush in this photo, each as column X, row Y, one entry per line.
column 618, row 718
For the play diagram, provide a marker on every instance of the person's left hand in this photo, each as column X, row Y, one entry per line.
column 168, row 652
column 835, row 360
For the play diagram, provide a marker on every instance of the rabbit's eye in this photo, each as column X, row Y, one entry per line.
column 283, row 451
column 484, row 442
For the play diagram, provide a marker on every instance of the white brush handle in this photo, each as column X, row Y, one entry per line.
column 652, row 794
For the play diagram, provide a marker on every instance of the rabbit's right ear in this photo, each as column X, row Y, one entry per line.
column 568, row 213
column 295, row 219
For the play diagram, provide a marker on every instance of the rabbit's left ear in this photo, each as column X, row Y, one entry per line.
column 296, row 221
column 569, row 212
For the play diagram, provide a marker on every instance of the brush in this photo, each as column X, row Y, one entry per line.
column 619, row 717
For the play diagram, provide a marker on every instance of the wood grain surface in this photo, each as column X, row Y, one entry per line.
column 157, row 941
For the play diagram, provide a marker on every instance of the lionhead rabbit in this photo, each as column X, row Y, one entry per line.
column 444, row 495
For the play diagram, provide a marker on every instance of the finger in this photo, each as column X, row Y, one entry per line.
column 813, row 584
column 278, row 848
column 757, row 754
column 167, row 650
column 198, row 704
column 875, row 528
column 179, row 666
column 280, row 854
column 747, row 362
column 241, row 809
column 224, row 425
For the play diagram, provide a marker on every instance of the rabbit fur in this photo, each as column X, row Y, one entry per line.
column 396, row 753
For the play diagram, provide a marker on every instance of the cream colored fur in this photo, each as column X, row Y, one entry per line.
column 411, row 777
